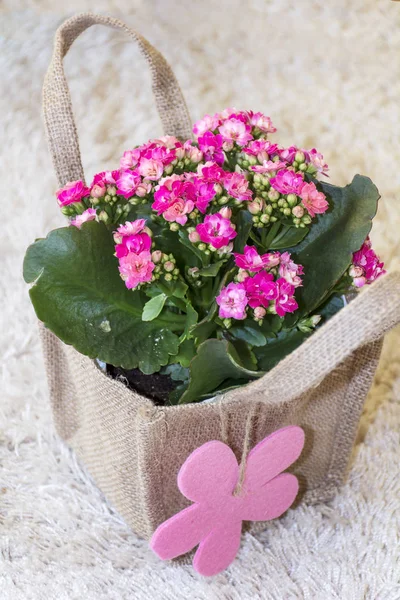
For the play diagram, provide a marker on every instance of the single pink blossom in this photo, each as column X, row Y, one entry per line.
column 289, row 270
column 260, row 289
column 205, row 193
column 216, row 230
column 317, row 159
column 130, row 159
column 232, row 302
column 150, row 168
column 105, row 178
column 366, row 266
column 178, row 211
column 132, row 227
column 314, row 202
column 285, row 302
column 211, row 146
column 268, row 166
column 209, row 478
column 133, row 243
column 169, row 141
column 87, row 215
column 262, row 123
column 127, row 183
column 161, row 155
column 288, row 154
column 237, row 186
column 234, row 130
column 287, row 182
column 136, row 268
column 207, row 123
column 254, row 262
column 210, row 171
column 73, row 191
column 261, row 147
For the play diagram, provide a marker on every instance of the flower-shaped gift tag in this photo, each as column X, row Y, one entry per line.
column 209, row 477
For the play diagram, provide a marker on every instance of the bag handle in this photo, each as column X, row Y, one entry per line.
column 364, row 320
column 58, row 116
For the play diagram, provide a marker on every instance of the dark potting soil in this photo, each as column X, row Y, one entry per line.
column 156, row 387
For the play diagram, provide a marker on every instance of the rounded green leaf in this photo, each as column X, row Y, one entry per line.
column 78, row 294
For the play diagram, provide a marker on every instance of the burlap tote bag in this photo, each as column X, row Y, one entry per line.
column 134, row 449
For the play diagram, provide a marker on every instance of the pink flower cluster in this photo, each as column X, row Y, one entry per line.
column 177, row 196
column 259, row 289
column 366, row 265
column 132, row 249
column 222, row 131
column 141, row 167
column 290, row 182
column 72, row 192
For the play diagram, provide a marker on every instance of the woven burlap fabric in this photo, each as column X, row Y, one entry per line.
column 134, row 449
column 58, row 115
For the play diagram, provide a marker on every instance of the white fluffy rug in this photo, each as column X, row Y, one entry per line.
column 328, row 73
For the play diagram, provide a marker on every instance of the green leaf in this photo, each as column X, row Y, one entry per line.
column 184, row 240
column 250, row 333
column 169, row 242
column 327, row 250
column 78, row 294
column 242, row 354
column 216, row 360
column 153, row 307
column 206, row 326
column 330, row 307
column 176, row 372
column 191, row 320
column 212, row 270
column 277, row 348
column 187, row 351
column 244, row 225
column 288, row 236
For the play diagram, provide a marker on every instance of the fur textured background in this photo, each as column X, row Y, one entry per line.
column 327, row 71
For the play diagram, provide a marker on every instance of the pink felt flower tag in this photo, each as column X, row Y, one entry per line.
column 209, row 477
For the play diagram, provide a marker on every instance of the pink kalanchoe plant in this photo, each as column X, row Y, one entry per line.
column 366, row 266
column 232, row 301
column 72, row 192
column 226, row 246
column 88, row 215
column 287, row 182
column 314, row 202
column 216, row 231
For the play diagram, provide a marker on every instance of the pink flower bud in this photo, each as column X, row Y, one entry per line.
column 148, row 231
column 143, row 189
column 356, row 271
column 156, row 256
column 180, row 153
column 256, row 206
column 169, row 266
column 259, row 312
column 225, row 212
column 98, row 190
column 298, row 211
column 227, row 146
column 194, row 237
column 195, row 154
column 242, row 275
